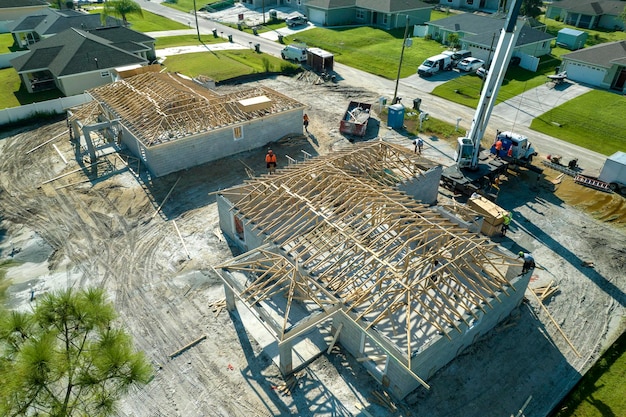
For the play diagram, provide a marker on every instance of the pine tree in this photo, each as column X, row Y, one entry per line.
column 65, row 358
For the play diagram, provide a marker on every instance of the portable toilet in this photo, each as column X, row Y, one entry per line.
column 395, row 116
column 571, row 39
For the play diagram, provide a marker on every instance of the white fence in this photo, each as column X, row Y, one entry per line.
column 59, row 105
column 5, row 59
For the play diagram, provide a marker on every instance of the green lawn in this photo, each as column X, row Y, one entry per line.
column 187, row 5
column 226, row 64
column 14, row 94
column 185, row 40
column 602, row 391
column 150, row 22
column 581, row 122
column 6, row 42
column 369, row 49
column 596, row 36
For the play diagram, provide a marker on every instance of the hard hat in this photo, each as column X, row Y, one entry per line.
column 520, row 254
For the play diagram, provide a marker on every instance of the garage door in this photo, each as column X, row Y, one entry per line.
column 317, row 16
column 585, row 73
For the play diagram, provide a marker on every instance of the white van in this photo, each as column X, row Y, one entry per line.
column 435, row 64
column 294, row 53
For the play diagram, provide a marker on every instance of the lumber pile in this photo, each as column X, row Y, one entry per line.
column 217, row 306
column 545, row 291
column 384, row 399
column 287, row 386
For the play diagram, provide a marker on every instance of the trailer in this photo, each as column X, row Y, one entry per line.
column 354, row 121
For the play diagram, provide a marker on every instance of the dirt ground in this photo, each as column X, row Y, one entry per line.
column 102, row 227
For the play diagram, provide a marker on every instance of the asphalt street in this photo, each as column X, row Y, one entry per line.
column 515, row 114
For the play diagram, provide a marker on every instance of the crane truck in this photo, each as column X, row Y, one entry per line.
column 474, row 170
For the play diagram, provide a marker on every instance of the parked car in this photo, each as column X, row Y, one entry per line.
column 297, row 20
column 470, row 64
column 294, row 52
column 482, row 72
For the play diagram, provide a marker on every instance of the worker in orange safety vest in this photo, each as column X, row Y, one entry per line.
column 270, row 161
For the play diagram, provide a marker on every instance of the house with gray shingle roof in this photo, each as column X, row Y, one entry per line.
column 76, row 60
column 48, row 22
column 602, row 65
column 11, row 10
column 479, row 34
column 385, row 14
column 588, row 14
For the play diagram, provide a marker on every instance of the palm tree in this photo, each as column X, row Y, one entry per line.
column 121, row 8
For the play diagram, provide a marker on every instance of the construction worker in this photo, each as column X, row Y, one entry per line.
column 270, row 161
column 506, row 222
column 529, row 261
column 498, row 147
column 305, row 122
column 419, row 144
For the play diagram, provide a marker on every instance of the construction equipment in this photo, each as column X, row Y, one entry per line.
column 473, row 170
column 554, row 162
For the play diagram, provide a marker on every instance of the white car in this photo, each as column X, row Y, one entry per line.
column 482, row 72
column 470, row 64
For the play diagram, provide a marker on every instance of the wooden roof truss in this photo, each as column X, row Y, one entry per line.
column 368, row 246
column 161, row 107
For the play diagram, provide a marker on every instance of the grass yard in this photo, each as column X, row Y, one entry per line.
column 223, row 65
column 185, row 40
column 187, row 5
column 14, row 94
column 150, row 22
column 466, row 89
column 369, row 49
column 596, row 36
column 6, row 42
column 602, row 391
column 580, row 121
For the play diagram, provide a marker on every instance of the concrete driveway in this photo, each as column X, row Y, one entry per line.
column 522, row 109
column 428, row 84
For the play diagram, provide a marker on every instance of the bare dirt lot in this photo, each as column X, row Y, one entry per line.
column 102, row 226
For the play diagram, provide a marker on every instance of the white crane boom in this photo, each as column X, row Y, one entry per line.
column 469, row 146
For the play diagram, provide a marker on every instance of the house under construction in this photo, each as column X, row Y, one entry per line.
column 342, row 249
column 171, row 122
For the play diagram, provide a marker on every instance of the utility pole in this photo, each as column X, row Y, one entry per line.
column 406, row 32
column 195, row 13
column 263, row 11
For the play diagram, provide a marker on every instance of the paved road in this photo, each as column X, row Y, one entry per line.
column 514, row 114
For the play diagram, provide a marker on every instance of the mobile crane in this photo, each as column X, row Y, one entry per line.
column 473, row 170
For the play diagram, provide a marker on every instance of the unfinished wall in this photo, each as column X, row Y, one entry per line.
column 424, row 188
column 440, row 350
column 195, row 150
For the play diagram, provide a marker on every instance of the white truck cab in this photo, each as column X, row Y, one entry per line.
column 518, row 145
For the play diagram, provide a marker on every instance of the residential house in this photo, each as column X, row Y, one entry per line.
column 479, row 34
column 489, row 6
column 48, row 22
column 11, row 10
column 172, row 123
column 602, row 65
column 76, row 60
column 386, row 14
column 588, row 14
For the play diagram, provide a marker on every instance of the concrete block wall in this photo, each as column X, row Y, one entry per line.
column 252, row 238
column 195, row 150
column 440, row 350
column 424, row 188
